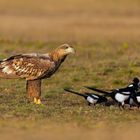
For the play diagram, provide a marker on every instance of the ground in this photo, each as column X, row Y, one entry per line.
column 106, row 38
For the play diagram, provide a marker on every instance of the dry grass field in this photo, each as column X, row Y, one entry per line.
column 105, row 35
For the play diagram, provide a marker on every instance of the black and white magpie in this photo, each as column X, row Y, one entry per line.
column 134, row 99
column 91, row 98
column 121, row 95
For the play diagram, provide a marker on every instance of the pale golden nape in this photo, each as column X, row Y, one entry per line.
column 61, row 52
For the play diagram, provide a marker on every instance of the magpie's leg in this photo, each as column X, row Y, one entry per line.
column 123, row 107
column 130, row 107
column 122, row 104
column 119, row 104
column 89, row 103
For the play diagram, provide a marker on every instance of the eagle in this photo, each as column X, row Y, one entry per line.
column 34, row 67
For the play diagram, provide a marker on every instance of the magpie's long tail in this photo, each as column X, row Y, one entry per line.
column 99, row 90
column 77, row 93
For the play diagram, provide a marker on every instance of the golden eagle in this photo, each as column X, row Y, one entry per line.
column 34, row 67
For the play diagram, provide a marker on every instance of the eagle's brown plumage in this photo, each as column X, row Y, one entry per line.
column 34, row 66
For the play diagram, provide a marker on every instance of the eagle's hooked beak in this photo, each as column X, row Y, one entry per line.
column 71, row 50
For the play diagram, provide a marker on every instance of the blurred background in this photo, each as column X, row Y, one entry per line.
column 80, row 21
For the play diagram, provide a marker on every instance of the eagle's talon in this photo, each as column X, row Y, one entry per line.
column 37, row 101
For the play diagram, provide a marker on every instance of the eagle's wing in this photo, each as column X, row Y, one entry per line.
column 28, row 66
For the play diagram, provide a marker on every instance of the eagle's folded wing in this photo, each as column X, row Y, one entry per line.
column 29, row 66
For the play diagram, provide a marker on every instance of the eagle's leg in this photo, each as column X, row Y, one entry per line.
column 33, row 88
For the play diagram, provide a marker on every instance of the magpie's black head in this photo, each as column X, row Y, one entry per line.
column 136, row 80
column 136, row 84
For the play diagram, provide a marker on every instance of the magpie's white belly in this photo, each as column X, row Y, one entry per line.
column 121, row 98
column 91, row 100
column 138, row 99
column 131, row 101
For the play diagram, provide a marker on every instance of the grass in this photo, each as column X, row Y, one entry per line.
column 90, row 66
column 105, row 35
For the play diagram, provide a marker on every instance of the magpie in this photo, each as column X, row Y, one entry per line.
column 121, row 95
column 134, row 99
column 91, row 98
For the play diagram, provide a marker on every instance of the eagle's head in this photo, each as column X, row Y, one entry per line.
column 62, row 51
column 65, row 49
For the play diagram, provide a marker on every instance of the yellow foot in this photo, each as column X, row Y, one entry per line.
column 37, row 101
